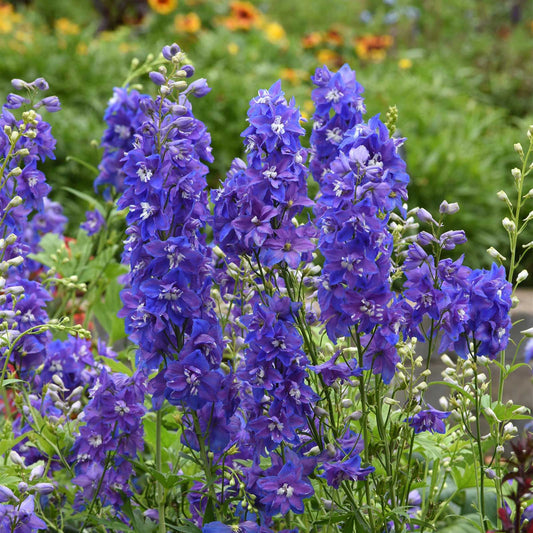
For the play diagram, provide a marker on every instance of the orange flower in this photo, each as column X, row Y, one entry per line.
column 311, row 39
column 373, row 47
column 189, row 23
column 243, row 16
column 334, row 37
column 163, row 7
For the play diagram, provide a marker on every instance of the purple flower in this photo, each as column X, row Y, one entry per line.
column 94, row 222
column 429, row 420
column 285, row 491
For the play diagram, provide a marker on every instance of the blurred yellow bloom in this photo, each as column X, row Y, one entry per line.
column 82, row 49
column 66, row 27
column 405, row 63
column 293, row 76
column 233, row 48
column 243, row 16
column 328, row 57
column 163, row 7
column 124, row 48
column 373, row 47
column 274, row 32
column 8, row 18
column 189, row 23
column 309, row 107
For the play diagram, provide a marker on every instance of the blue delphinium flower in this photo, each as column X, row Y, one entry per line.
column 123, row 116
column 21, row 517
column 364, row 182
column 94, row 222
column 429, row 420
column 255, row 204
column 339, row 107
column 113, row 430
column 23, row 196
column 285, row 490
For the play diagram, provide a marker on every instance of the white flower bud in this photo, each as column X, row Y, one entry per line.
column 490, row 414
column 522, row 276
column 527, row 332
column 502, row 195
column 495, row 254
column 509, row 225
column 517, row 173
column 518, row 149
column 16, row 458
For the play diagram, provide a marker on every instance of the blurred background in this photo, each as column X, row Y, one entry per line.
column 459, row 71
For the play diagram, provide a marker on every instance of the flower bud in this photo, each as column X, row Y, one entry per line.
column 495, row 254
column 509, row 225
column 170, row 51
column 518, row 149
column 23, row 487
column 157, row 78
column 6, row 494
column 517, row 174
column 522, row 276
column 448, row 209
column 44, row 488
column 16, row 458
column 346, row 403
column 502, row 195
column 36, row 472
column 425, row 216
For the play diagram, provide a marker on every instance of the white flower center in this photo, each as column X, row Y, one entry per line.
column 333, row 95
column 277, row 126
column 285, row 490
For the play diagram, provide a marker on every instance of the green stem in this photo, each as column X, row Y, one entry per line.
column 484, row 521
column 160, row 488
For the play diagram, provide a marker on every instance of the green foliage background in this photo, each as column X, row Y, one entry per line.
column 463, row 103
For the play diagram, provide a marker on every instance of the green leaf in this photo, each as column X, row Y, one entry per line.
column 88, row 198
column 453, row 386
column 7, row 445
column 117, row 366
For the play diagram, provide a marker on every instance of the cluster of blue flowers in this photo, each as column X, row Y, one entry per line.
column 254, row 207
column 251, row 397
column 123, row 116
column 469, row 307
column 26, row 213
column 111, row 436
column 362, row 181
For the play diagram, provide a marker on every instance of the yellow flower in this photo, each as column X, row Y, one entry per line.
column 328, row 57
column 7, row 18
column 66, row 26
column 233, row 48
column 189, row 23
column 82, row 49
column 274, row 32
column 163, row 7
column 405, row 63
column 124, row 48
column 293, row 76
